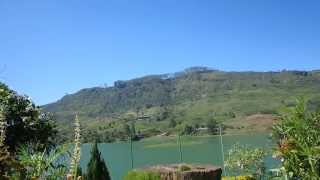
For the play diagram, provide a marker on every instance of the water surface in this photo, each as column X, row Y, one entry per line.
column 165, row 150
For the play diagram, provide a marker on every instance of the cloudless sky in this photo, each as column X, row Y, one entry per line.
column 52, row 47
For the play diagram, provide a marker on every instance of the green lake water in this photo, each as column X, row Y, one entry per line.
column 165, row 150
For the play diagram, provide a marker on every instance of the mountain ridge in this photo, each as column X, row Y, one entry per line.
column 189, row 97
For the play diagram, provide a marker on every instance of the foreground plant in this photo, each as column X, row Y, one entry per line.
column 7, row 162
column 238, row 178
column 25, row 123
column 4, row 154
column 43, row 165
column 247, row 161
column 75, row 158
column 298, row 142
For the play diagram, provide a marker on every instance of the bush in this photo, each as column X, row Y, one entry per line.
column 298, row 141
column 246, row 160
column 142, row 175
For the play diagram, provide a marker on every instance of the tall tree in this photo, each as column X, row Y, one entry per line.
column 25, row 122
column 97, row 168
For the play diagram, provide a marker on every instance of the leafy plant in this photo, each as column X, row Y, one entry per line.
column 246, row 161
column 42, row 165
column 298, row 142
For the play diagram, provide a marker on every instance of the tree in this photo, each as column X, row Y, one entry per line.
column 96, row 168
column 188, row 129
column 298, row 141
column 212, row 126
column 7, row 162
column 172, row 123
column 126, row 129
column 25, row 122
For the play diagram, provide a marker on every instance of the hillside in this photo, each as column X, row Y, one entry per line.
column 184, row 102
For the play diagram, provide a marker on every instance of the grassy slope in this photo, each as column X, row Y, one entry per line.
column 190, row 98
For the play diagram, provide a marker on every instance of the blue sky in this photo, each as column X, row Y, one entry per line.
column 52, row 47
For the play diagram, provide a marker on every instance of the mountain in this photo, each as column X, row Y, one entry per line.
column 172, row 103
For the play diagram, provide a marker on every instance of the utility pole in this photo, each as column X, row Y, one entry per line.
column 131, row 151
column 132, row 134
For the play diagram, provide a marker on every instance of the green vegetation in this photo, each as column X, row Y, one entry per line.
column 28, row 149
column 31, row 163
column 188, row 102
column 141, row 175
column 212, row 126
column 183, row 101
column 97, row 168
column 298, row 139
column 42, row 165
column 238, row 178
column 22, row 124
column 25, row 123
column 246, row 161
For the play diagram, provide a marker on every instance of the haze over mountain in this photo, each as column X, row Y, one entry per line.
column 170, row 102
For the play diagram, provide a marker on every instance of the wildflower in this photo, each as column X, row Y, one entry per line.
column 75, row 159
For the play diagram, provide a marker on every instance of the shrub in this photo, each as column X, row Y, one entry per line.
column 246, row 160
column 142, row 175
column 298, row 141
column 42, row 165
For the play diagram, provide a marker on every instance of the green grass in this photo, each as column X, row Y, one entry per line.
column 141, row 175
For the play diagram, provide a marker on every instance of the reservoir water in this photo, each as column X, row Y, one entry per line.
column 165, row 150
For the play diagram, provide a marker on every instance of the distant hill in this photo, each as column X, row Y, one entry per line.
column 170, row 102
